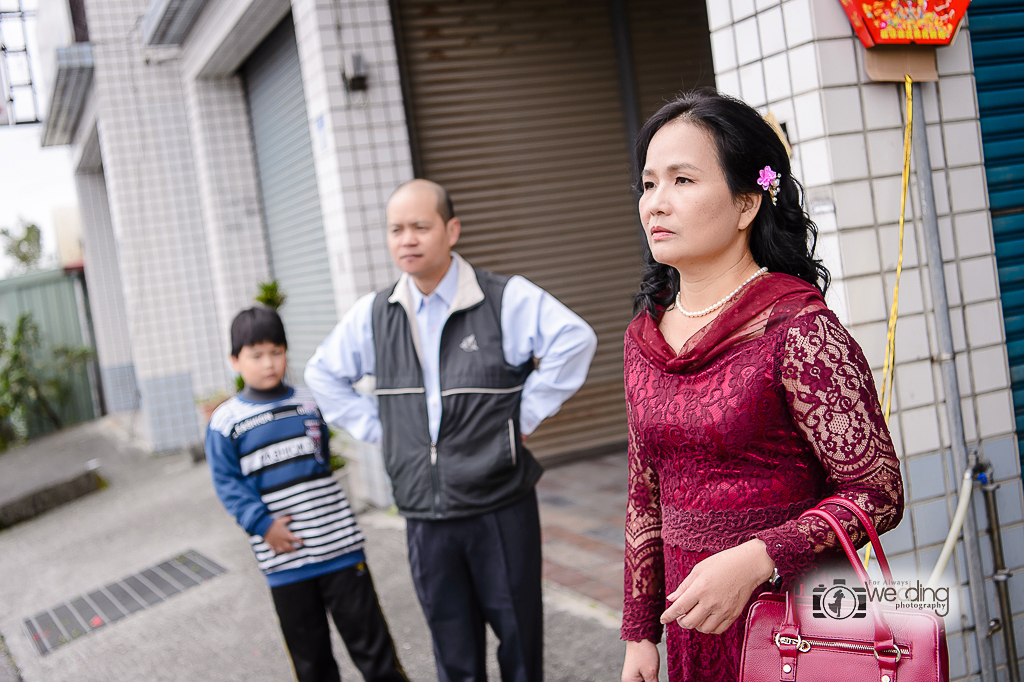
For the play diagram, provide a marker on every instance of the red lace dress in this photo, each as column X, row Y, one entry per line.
column 765, row 411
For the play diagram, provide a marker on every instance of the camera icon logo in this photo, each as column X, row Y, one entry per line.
column 839, row 601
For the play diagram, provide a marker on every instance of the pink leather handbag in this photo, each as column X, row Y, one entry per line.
column 791, row 638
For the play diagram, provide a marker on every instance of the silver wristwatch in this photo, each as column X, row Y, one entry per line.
column 776, row 580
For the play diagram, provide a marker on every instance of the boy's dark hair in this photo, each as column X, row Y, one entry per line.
column 256, row 325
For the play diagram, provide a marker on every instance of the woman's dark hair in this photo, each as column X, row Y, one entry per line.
column 256, row 325
column 782, row 236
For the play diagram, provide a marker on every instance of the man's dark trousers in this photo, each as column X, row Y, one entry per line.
column 481, row 569
column 349, row 596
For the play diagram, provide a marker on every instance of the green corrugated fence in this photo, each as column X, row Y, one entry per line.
column 51, row 298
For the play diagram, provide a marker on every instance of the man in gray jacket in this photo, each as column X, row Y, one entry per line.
column 454, row 350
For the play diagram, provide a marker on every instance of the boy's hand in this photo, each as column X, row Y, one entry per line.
column 280, row 538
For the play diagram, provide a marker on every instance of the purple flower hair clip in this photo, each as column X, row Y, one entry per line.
column 769, row 181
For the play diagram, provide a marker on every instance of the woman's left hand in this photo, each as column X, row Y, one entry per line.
column 713, row 596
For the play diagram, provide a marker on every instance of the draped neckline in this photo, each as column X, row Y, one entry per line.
column 741, row 319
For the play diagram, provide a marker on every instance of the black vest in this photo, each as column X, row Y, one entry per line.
column 478, row 463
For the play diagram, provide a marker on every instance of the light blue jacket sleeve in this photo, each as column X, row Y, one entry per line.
column 534, row 324
column 345, row 357
column 236, row 492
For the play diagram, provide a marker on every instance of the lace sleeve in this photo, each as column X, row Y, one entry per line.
column 833, row 401
column 644, row 574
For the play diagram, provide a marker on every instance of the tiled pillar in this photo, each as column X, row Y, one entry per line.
column 155, row 212
column 106, row 299
column 361, row 152
column 799, row 60
column 766, row 54
column 360, row 140
column 229, row 194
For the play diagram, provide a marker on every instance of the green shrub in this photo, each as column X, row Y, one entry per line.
column 31, row 390
column 270, row 295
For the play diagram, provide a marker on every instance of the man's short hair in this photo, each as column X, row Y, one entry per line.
column 256, row 325
column 445, row 207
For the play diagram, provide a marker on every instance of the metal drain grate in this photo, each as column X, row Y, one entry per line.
column 81, row 615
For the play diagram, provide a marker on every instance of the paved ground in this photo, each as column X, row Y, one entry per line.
column 225, row 629
column 32, row 468
column 583, row 513
column 50, row 471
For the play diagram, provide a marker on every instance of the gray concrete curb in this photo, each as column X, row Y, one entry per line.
column 40, row 501
column 8, row 670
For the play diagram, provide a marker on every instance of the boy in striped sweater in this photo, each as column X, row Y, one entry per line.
column 268, row 454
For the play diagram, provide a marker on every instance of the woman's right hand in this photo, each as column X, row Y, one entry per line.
column 642, row 662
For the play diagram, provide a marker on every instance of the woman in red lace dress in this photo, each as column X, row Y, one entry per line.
column 748, row 401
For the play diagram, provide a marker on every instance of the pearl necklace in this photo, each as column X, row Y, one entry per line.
column 712, row 308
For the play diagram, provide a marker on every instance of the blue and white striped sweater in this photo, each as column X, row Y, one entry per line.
column 271, row 459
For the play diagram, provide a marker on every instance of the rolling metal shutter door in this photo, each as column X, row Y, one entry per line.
column 997, row 43
column 515, row 108
column 296, row 245
column 671, row 49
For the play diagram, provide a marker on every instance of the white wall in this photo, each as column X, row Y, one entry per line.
column 155, row 213
column 800, row 60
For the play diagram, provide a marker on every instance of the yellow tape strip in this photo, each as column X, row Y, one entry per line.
column 889, row 368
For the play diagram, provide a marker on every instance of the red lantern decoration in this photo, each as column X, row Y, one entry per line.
column 899, row 22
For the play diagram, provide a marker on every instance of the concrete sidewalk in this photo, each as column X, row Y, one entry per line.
column 225, row 628
column 583, row 517
column 57, row 468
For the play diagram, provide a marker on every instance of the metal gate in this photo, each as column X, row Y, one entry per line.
column 671, row 48
column 517, row 111
column 517, row 107
column 296, row 245
column 997, row 43
column 59, row 312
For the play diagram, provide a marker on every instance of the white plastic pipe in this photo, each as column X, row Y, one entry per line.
column 966, row 490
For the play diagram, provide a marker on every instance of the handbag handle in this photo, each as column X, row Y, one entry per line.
column 865, row 521
column 886, row 651
column 844, row 540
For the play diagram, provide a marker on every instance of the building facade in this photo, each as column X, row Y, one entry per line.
column 223, row 143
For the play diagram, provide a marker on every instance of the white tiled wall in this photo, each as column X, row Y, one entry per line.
column 225, row 33
column 106, row 299
column 157, row 222
column 229, row 193
column 183, row 196
column 360, row 139
column 847, row 136
column 361, row 152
